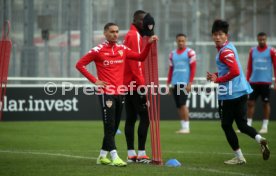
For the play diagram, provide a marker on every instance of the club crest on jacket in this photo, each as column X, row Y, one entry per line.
column 108, row 103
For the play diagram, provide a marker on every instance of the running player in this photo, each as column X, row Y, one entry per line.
column 232, row 93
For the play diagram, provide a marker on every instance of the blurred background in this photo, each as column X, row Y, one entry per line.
column 49, row 36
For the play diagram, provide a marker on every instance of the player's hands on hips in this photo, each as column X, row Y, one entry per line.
column 101, row 83
column 170, row 89
column 188, row 87
column 153, row 38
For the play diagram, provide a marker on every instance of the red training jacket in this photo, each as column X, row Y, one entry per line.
column 110, row 62
column 134, row 70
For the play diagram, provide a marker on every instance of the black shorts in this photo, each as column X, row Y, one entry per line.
column 260, row 89
column 136, row 103
column 180, row 96
column 233, row 109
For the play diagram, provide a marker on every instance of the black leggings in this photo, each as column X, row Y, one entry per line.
column 235, row 109
column 112, row 106
column 136, row 105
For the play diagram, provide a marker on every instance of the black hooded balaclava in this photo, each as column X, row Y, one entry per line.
column 148, row 25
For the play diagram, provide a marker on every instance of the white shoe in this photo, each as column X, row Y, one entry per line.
column 183, row 131
column 263, row 131
column 236, row 160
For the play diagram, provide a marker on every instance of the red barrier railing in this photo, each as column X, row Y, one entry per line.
column 5, row 51
column 153, row 99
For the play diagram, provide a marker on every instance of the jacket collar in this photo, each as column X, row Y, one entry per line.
column 261, row 49
column 219, row 47
column 180, row 51
column 134, row 28
column 109, row 43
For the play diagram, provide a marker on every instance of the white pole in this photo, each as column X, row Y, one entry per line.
column 222, row 9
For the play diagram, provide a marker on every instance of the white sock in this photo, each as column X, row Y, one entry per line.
column 249, row 122
column 103, row 153
column 258, row 138
column 131, row 153
column 238, row 153
column 182, row 122
column 265, row 123
column 114, row 154
column 185, row 124
column 141, row 152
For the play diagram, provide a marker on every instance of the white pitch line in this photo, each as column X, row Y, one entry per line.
column 93, row 158
column 217, row 171
column 48, row 154
column 210, row 153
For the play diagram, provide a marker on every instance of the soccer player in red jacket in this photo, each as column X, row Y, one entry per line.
column 261, row 62
column 136, row 104
column 110, row 58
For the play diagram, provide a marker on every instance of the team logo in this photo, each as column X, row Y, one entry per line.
column 150, row 26
column 108, row 103
column 121, row 52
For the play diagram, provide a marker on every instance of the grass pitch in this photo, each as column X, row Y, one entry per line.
column 71, row 147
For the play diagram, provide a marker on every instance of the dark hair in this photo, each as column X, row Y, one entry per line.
column 106, row 27
column 180, row 35
column 137, row 13
column 220, row 25
column 261, row 34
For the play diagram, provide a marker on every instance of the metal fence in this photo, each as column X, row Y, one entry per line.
column 74, row 26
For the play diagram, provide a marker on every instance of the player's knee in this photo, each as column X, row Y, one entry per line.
column 226, row 126
column 146, row 122
column 242, row 127
column 130, row 122
column 251, row 103
column 266, row 103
